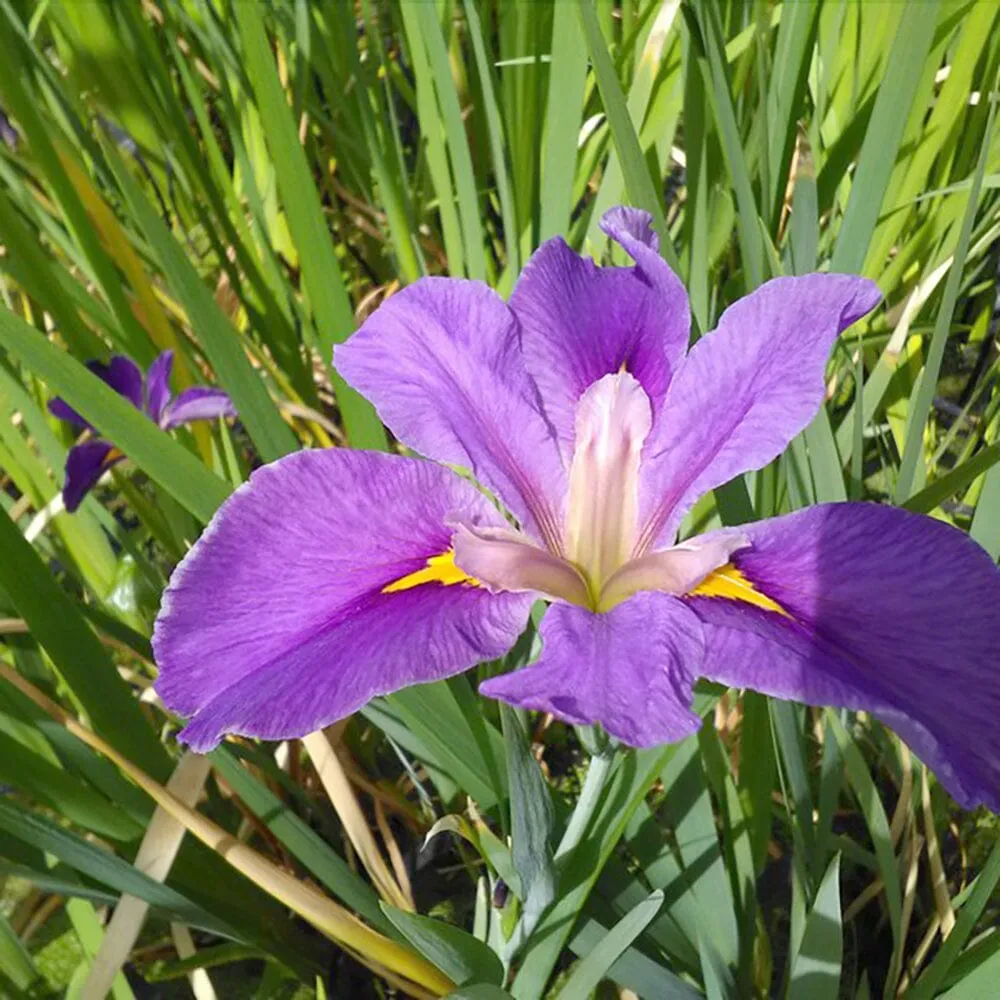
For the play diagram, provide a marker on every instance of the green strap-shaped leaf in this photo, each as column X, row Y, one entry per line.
column 565, row 106
column 43, row 781
column 593, row 968
column 816, row 967
column 717, row 72
column 220, row 340
column 532, row 819
column 885, row 130
column 479, row 991
column 982, row 891
column 15, row 960
column 304, row 843
column 874, row 813
column 131, row 336
column 458, row 143
column 324, row 284
column 923, row 397
column 638, row 181
column 77, row 653
column 455, row 952
column 97, row 863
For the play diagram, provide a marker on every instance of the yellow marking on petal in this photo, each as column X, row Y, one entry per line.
column 439, row 569
column 729, row 582
column 113, row 456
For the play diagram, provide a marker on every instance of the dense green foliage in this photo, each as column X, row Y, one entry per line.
column 241, row 182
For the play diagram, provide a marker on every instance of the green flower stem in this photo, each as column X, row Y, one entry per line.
column 593, row 785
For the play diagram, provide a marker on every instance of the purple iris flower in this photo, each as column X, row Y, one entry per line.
column 335, row 576
column 89, row 460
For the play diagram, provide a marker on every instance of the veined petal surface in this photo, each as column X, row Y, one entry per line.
column 580, row 322
column 284, row 618
column 630, row 669
column 887, row 611
column 744, row 391
column 441, row 361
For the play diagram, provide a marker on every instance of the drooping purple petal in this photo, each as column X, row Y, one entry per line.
column 200, row 402
column 580, row 322
column 890, row 612
column 158, row 385
column 745, row 391
column 442, row 363
column 85, row 464
column 630, row 669
column 278, row 621
column 120, row 374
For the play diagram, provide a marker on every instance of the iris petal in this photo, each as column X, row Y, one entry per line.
column 158, row 385
column 123, row 376
column 580, row 322
column 85, row 464
column 275, row 625
column 887, row 611
column 199, row 402
column 745, row 391
column 442, row 362
column 630, row 669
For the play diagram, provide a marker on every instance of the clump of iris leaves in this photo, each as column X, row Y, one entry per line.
column 241, row 182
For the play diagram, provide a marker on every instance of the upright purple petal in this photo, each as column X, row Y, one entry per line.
column 888, row 611
column 158, row 385
column 745, row 391
column 85, row 464
column 632, row 228
column 630, row 669
column 294, row 608
column 200, row 402
column 120, row 374
column 580, row 322
column 442, row 363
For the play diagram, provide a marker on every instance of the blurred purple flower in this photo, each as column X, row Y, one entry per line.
column 9, row 135
column 336, row 576
column 89, row 460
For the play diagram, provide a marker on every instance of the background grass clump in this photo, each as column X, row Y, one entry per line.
column 243, row 182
